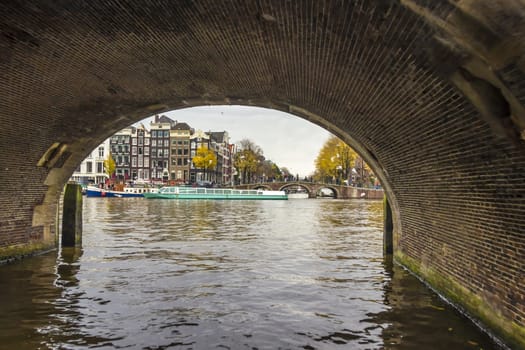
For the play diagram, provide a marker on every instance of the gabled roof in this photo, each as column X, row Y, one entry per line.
column 181, row 126
column 218, row 136
column 164, row 119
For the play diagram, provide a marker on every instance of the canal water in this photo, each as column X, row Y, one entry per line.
column 160, row 274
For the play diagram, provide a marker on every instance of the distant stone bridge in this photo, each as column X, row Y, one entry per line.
column 313, row 188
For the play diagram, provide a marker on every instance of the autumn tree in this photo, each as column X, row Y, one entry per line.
column 334, row 161
column 205, row 159
column 109, row 165
column 247, row 160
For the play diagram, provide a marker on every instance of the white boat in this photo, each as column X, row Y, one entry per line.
column 176, row 192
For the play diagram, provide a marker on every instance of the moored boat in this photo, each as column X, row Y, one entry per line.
column 176, row 192
column 126, row 192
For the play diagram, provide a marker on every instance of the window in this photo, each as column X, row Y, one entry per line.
column 140, row 150
column 185, row 151
column 179, row 151
column 126, row 149
column 186, row 161
column 134, row 141
column 173, row 161
column 134, row 150
column 174, row 142
column 146, row 151
column 119, row 160
column 126, row 160
column 159, row 153
column 146, row 162
column 89, row 167
column 154, row 134
column 179, row 142
column 146, row 173
column 146, row 141
column 166, row 152
column 179, row 161
column 166, row 143
column 154, row 143
column 166, row 134
column 141, row 141
column 133, row 161
column 154, row 152
column 141, row 164
column 100, row 167
column 101, row 152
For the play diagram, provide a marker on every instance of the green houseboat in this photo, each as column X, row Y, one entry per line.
column 176, row 192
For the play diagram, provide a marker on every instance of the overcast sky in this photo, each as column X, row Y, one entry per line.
column 285, row 139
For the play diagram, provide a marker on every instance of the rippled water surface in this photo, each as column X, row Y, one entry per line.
column 154, row 274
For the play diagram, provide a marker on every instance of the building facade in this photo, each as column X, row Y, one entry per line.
column 91, row 169
column 162, row 154
column 180, row 159
column 220, row 143
column 197, row 140
column 160, row 148
column 140, row 154
column 121, row 153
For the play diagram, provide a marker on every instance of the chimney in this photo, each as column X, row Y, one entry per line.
column 156, row 118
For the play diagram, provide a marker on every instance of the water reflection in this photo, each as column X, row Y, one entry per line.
column 202, row 274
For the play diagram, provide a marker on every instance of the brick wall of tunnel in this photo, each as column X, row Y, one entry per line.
column 431, row 93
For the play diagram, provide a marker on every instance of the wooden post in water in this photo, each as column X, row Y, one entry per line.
column 388, row 227
column 72, row 216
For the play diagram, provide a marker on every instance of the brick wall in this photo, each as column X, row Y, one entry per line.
column 430, row 93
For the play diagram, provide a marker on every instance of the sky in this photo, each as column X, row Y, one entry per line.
column 285, row 139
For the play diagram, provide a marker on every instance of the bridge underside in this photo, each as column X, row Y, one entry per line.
column 431, row 93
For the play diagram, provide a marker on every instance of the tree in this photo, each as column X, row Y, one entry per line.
column 205, row 159
column 335, row 161
column 247, row 160
column 109, row 165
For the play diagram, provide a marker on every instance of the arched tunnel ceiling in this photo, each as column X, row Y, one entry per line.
column 431, row 92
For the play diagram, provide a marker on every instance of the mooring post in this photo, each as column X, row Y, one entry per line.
column 388, row 227
column 72, row 216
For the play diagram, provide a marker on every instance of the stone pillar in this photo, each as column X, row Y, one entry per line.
column 388, row 227
column 72, row 216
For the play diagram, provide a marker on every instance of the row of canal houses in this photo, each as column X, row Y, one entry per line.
column 163, row 153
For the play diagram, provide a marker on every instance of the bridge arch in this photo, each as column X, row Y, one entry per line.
column 430, row 95
column 296, row 184
column 262, row 187
column 332, row 188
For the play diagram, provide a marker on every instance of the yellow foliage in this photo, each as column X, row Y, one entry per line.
column 109, row 165
column 335, row 159
column 205, row 158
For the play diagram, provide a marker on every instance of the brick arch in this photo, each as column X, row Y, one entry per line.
column 334, row 190
column 262, row 187
column 306, row 187
column 431, row 95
